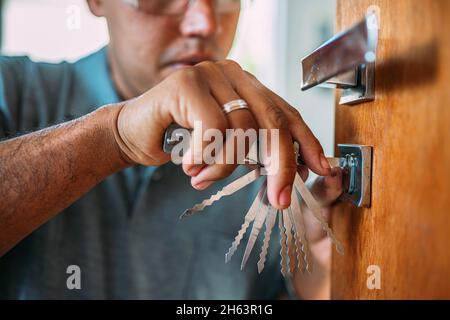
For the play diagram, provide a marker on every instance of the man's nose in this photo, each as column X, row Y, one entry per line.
column 200, row 19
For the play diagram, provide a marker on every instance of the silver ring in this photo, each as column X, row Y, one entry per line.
column 235, row 105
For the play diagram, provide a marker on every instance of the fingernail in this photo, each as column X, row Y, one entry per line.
column 324, row 162
column 203, row 185
column 194, row 171
column 284, row 199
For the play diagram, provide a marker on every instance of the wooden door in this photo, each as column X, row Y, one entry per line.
column 406, row 232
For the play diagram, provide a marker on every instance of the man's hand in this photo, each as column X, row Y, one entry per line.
column 46, row 171
column 198, row 94
column 326, row 191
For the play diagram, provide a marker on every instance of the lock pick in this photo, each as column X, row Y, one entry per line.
column 294, row 244
column 294, row 251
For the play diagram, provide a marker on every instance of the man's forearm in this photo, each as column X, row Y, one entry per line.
column 44, row 172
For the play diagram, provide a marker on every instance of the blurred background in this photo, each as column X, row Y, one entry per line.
column 273, row 36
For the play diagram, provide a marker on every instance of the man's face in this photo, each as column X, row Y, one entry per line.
column 145, row 48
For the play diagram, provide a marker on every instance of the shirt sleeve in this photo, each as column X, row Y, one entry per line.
column 12, row 70
column 34, row 95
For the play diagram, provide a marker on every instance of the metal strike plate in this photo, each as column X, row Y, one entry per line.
column 346, row 61
column 356, row 160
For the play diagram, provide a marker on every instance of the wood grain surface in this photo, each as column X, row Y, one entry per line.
column 406, row 232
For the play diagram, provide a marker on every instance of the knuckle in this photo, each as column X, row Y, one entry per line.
column 254, row 80
column 312, row 146
column 210, row 71
column 230, row 64
column 276, row 116
column 189, row 76
column 206, row 65
column 294, row 112
column 250, row 75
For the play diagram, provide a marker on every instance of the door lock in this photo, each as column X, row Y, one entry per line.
column 356, row 162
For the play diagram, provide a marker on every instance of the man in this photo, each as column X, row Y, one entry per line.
column 99, row 193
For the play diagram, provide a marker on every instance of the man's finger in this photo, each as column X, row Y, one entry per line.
column 231, row 154
column 268, row 115
column 326, row 190
column 310, row 148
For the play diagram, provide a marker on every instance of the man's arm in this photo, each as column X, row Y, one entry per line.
column 44, row 172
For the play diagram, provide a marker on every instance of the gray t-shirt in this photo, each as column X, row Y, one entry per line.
column 124, row 234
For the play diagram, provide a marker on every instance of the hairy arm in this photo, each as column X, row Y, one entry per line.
column 44, row 172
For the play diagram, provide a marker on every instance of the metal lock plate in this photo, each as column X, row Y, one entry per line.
column 356, row 160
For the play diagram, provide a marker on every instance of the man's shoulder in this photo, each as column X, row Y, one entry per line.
column 85, row 77
column 14, row 66
column 24, row 64
column 14, row 60
column 23, row 70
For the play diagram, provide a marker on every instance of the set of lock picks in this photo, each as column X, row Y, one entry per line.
column 295, row 251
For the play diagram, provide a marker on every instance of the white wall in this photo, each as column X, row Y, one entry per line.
column 308, row 24
column 51, row 30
